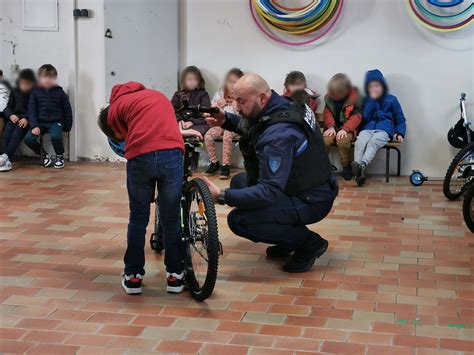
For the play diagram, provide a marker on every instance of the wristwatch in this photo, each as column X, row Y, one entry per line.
column 221, row 198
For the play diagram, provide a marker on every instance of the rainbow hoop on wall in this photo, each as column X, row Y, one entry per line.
column 437, row 22
column 313, row 20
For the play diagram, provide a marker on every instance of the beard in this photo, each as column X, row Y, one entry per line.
column 253, row 114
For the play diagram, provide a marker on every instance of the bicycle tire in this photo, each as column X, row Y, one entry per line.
column 467, row 207
column 202, row 291
column 156, row 239
column 454, row 195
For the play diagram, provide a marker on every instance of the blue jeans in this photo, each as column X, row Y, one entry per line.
column 55, row 130
column 12, row 136
column 284, row 222
column 164, row 169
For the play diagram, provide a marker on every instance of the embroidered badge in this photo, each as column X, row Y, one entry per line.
column 274, row 164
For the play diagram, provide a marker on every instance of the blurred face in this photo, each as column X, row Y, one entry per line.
column 339, row 95
column 248, row 103
column 25, row 85
column 191, row 81
column 298, row 85
column 375, row 89
column 230, row 83
column 47, row 81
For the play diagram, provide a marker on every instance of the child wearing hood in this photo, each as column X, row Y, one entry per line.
column 382, row 121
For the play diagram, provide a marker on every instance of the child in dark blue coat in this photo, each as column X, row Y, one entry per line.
column 382, row 121
column 49, row 111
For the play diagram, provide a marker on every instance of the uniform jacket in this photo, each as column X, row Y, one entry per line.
column 384, row 114
column 49, row 106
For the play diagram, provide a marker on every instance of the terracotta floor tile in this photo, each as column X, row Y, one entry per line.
column 397, row 278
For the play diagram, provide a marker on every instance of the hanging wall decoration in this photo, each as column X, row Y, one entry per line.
column 295, row 26
column 442, row 16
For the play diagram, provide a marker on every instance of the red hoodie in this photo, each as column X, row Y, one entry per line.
column 145, row 118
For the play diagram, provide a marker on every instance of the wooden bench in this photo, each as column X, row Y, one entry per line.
column 388, row 147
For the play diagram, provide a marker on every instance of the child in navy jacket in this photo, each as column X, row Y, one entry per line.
column 49, row 111
column 382, row 121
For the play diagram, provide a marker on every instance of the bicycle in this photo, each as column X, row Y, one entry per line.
column 468, row 208
column 461, row 170
column 198, row 220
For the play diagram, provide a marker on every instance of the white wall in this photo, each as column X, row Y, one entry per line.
column 426, row 71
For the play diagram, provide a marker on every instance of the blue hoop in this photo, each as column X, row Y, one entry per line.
column 450, row 3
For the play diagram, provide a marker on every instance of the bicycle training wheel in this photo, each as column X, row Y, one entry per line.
column 202, row 241
column 468, row 208
column 156, row 239
column 459, row 173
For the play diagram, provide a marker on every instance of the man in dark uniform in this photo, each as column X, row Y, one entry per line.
column 288, row 182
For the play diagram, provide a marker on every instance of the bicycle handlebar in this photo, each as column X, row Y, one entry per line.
column 186, row 112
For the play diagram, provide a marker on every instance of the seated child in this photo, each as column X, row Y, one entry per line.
column 49, row 111
column 154, row 151
column 193, row 91
column 295, row 81
column 382, row 120
column 224, row 100
column 4, row 96
column 17, row 114
column 342, row 116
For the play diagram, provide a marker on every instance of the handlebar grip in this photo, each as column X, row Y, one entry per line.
column 463, row 96
column 210, row 109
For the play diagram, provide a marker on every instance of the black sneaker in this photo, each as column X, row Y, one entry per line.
column 347, row 173
column 132, row 284
column 225, row 172
column 59, row 163
column 305, row 256
column 175, row 282
column 279, row 251
column 358, row 171
column 46, row 160
column 212, row 169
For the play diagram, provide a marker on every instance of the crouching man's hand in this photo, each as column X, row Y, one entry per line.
column 215, row 119
column 215, row 190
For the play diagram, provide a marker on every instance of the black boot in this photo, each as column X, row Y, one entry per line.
column 225, row 172
column 304, row 257
column 279, row 251
column 212, row 169
column 347, row 173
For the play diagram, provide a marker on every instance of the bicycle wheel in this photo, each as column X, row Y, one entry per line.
column 459, row 173
column 202, row 241
column 468, row 208
column 156, row 239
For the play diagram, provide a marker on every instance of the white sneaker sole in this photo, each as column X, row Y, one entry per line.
column 59, row 167
column 178, row 289
column 131, row 291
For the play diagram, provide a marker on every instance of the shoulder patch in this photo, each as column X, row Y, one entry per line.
column 274, row 163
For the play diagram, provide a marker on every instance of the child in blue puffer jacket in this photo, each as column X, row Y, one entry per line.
column 49, row 111
column 382, row 121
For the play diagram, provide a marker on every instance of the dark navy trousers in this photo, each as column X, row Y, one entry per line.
column 284, row 222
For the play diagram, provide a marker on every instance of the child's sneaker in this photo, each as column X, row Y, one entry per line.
column 358, row 171
column 59, row 164
column 132, row 284
column 347, row 173
column 46, row 160
column 176, row 282
column 7, row 166
column 3, row 159
column 225, row 172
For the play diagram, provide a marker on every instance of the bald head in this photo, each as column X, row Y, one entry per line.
column 251, row 93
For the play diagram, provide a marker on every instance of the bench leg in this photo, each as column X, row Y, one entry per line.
column 387, row 165
column 399, row 162
column 41, row 149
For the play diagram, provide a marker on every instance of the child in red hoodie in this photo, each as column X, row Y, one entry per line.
column 154, row 151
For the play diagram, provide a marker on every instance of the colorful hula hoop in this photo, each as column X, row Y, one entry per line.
column 417, row 9
column 317, row 17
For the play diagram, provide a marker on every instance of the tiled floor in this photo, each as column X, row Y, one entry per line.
column 397, row 277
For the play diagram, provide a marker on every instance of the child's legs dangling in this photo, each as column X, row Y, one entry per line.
column 345, row 149
column 210, row 137
column 378, row 140
column 227, row 147
column 361, row 144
